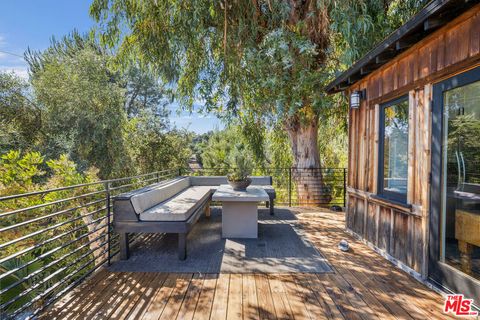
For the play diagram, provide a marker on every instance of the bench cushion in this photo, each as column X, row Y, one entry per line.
column 208, row 180
column 218, row 180
column 262, row 180
column 148, row 199
column 180, row 207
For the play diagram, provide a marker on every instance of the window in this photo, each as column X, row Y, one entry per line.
column 393, row 153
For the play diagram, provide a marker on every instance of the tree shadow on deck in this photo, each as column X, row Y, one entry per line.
column 281, row 247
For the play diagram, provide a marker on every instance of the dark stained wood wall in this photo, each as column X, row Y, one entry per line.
column 399, row 231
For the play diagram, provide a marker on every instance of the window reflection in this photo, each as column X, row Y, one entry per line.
column 395, row 148
column 461, row 179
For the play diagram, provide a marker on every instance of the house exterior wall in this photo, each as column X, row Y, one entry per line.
column 399, row 231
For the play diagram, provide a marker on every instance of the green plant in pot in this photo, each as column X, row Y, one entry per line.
column 241, row 166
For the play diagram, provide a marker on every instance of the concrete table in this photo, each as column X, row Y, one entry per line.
column 239, row 210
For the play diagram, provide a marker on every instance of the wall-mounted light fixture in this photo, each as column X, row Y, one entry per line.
column 356, row 97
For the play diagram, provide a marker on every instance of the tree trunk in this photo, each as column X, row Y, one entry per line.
column 307, row 171
column 96, row 232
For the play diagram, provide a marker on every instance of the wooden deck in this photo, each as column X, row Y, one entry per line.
column 363, row 286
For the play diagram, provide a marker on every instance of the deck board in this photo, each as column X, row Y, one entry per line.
column 187, row 309
column 219, row 308
column 363, row 286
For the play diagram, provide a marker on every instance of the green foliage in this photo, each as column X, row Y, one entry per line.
column 76, row 104
column 263, row 68
column 144, row 93
column 260, row 58
column 83, row 111
column 358, row 25
column 19, row 116
column 151, row 147
column 240, row 163
column 18, row 173
column 277, row 148
column 463, row 134
column 267, row 63
column 199, row 143
column 73, row 115
column 9, row 280
column 217, row 151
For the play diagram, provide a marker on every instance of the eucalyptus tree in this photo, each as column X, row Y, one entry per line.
column 266, row 58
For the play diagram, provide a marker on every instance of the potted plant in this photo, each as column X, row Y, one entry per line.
column 241, row 166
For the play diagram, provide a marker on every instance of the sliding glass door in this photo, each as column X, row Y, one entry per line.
column 455, row 214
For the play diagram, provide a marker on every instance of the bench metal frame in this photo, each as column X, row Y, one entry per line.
column 182, row 228
column 126, row 221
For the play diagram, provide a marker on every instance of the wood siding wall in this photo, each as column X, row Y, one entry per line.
column 399, row 231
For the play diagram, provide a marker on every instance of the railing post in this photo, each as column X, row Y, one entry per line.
column 290, row 187
column 344, row 187
column 179, row 172
column 158, row 176
column 109, row 211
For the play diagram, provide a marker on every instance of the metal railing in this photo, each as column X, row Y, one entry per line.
column 331, row 192
column 51, row 240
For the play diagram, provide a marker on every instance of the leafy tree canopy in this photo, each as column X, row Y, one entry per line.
column 76, row 104
column 273, row 57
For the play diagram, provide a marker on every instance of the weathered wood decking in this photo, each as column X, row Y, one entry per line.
column 363, row 286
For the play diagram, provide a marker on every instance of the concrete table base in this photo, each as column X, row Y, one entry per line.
column 239, row 220
column 239, row 210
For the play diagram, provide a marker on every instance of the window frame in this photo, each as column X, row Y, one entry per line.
column 439, row 272
column 390, row 195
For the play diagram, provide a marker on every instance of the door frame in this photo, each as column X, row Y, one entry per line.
column 441, row 273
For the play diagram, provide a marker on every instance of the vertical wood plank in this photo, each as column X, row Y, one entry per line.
column 391, row 241
column 350, row 148
column 371, row 223
column 368, row 149
column 427, row 128
column 419, row 144
column 441, row 52
column 475, row 35
column 361, row 147
column 411, row 147
column 375, row 149
column 377, row 224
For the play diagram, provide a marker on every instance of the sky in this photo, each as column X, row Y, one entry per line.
column 32, row 23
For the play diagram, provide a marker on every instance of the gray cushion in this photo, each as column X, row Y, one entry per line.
column 152, row 197
column 180, row 207
column 261, row 180
column 218, row 180
column 128, row 195
column 215, row 181
column 208, row 180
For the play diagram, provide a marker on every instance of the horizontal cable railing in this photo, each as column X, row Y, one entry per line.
column 50, row 240
column 318, row 186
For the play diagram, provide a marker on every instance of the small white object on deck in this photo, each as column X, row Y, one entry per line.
column 344, row 246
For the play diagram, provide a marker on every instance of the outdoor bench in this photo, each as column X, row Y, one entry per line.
column 172, row 206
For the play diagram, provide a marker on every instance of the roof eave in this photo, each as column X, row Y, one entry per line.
column 435, row 15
